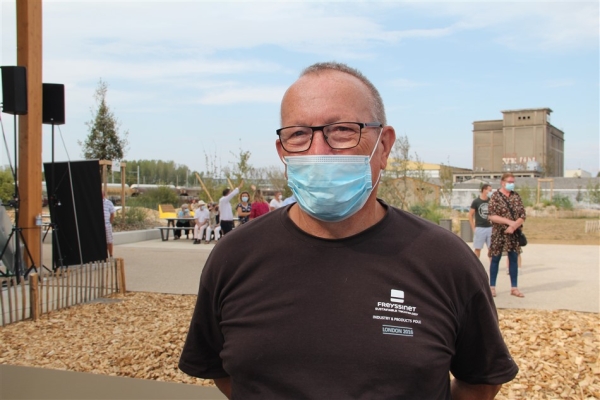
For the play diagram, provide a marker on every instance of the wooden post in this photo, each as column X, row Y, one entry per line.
column 121, row 272
column 104, row 173
column 23, row 300
column 34, row 296
column 204, row 188
column 123, row 175
column 29, row 55
column 539, row 188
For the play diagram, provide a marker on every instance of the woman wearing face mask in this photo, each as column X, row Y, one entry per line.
column 244, row 207
column 507, row 214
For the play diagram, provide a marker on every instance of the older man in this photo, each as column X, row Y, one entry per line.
column 202, row 219
column 352, row 298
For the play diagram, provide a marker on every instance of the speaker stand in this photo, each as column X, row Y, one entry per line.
column 53, row 202
column 17, row 231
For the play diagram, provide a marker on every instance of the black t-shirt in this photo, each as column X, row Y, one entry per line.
column 383, row 314
column 481, row 213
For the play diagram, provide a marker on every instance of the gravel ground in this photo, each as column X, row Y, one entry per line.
column 140, row 335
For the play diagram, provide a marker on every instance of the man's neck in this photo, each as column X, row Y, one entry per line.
column 483, row 196
column 369, row 215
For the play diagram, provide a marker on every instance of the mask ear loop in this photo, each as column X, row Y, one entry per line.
column 372, row 154
column 286, row 166
column 377, row 144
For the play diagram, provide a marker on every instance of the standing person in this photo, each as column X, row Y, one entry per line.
column 276, row 202
column 507, row 214
column 225, row 212
column 182, row 223
column 347, row 300
column 478, row 218
column 109, row 218
column 213, row 225
column 202, row 218
column 259, row 205
column 243, row 208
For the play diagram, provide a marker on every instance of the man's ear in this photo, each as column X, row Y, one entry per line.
column 280, row 152
column 387, row 140
column 279, row 149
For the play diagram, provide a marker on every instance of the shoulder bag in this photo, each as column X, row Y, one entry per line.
column 519, row 232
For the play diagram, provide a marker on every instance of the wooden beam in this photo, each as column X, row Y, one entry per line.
column 29, row 55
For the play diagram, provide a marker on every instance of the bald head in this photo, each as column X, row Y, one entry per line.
column 375, row 100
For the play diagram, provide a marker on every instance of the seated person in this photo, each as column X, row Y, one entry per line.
column 182, row 223
column 202, row 218
column 213, row 225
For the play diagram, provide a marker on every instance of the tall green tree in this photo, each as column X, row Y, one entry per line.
column 104, row 142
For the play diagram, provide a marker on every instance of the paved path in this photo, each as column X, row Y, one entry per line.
column 553, row 277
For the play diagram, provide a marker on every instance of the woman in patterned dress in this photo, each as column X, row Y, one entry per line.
column 504, row 226
column 244, row 207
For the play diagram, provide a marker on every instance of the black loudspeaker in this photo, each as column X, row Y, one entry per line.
column 14, row 90
column 75, row 199
column 53, row 103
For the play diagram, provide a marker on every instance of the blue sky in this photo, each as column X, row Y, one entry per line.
column 194, row 78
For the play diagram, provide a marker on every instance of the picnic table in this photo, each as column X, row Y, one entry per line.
column 171, row 221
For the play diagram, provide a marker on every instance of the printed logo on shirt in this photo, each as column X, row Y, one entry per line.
column 483, row 210
column 396, row 311
column 397, row 330
column 397, row 296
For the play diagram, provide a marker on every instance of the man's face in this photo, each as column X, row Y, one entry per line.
column 332, row 96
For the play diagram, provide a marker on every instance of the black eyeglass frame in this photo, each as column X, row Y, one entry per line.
column 321, row 128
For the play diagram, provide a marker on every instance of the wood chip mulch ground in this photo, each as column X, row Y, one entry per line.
column 140, row 335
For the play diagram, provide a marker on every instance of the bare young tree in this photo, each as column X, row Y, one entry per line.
column 394, row 187
column 447, row 182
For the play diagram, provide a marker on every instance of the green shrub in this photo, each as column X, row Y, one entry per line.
column 430, row 211
column 593, row 193
column 562, row 202
column 7, row 184
column 527, row 195
column 134, row 219
column 417, row 209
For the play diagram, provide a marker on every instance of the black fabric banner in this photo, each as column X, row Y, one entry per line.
column 75, row 202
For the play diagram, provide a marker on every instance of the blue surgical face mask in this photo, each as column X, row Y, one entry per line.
column 510, row 187
column 244, row 198
column 331, row 188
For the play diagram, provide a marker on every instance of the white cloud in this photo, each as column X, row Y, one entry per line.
column 243, row 95
column 527, row 25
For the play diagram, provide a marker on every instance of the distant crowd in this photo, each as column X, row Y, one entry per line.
column 210, row 221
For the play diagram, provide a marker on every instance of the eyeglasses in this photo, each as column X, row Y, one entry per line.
column 339, row 135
